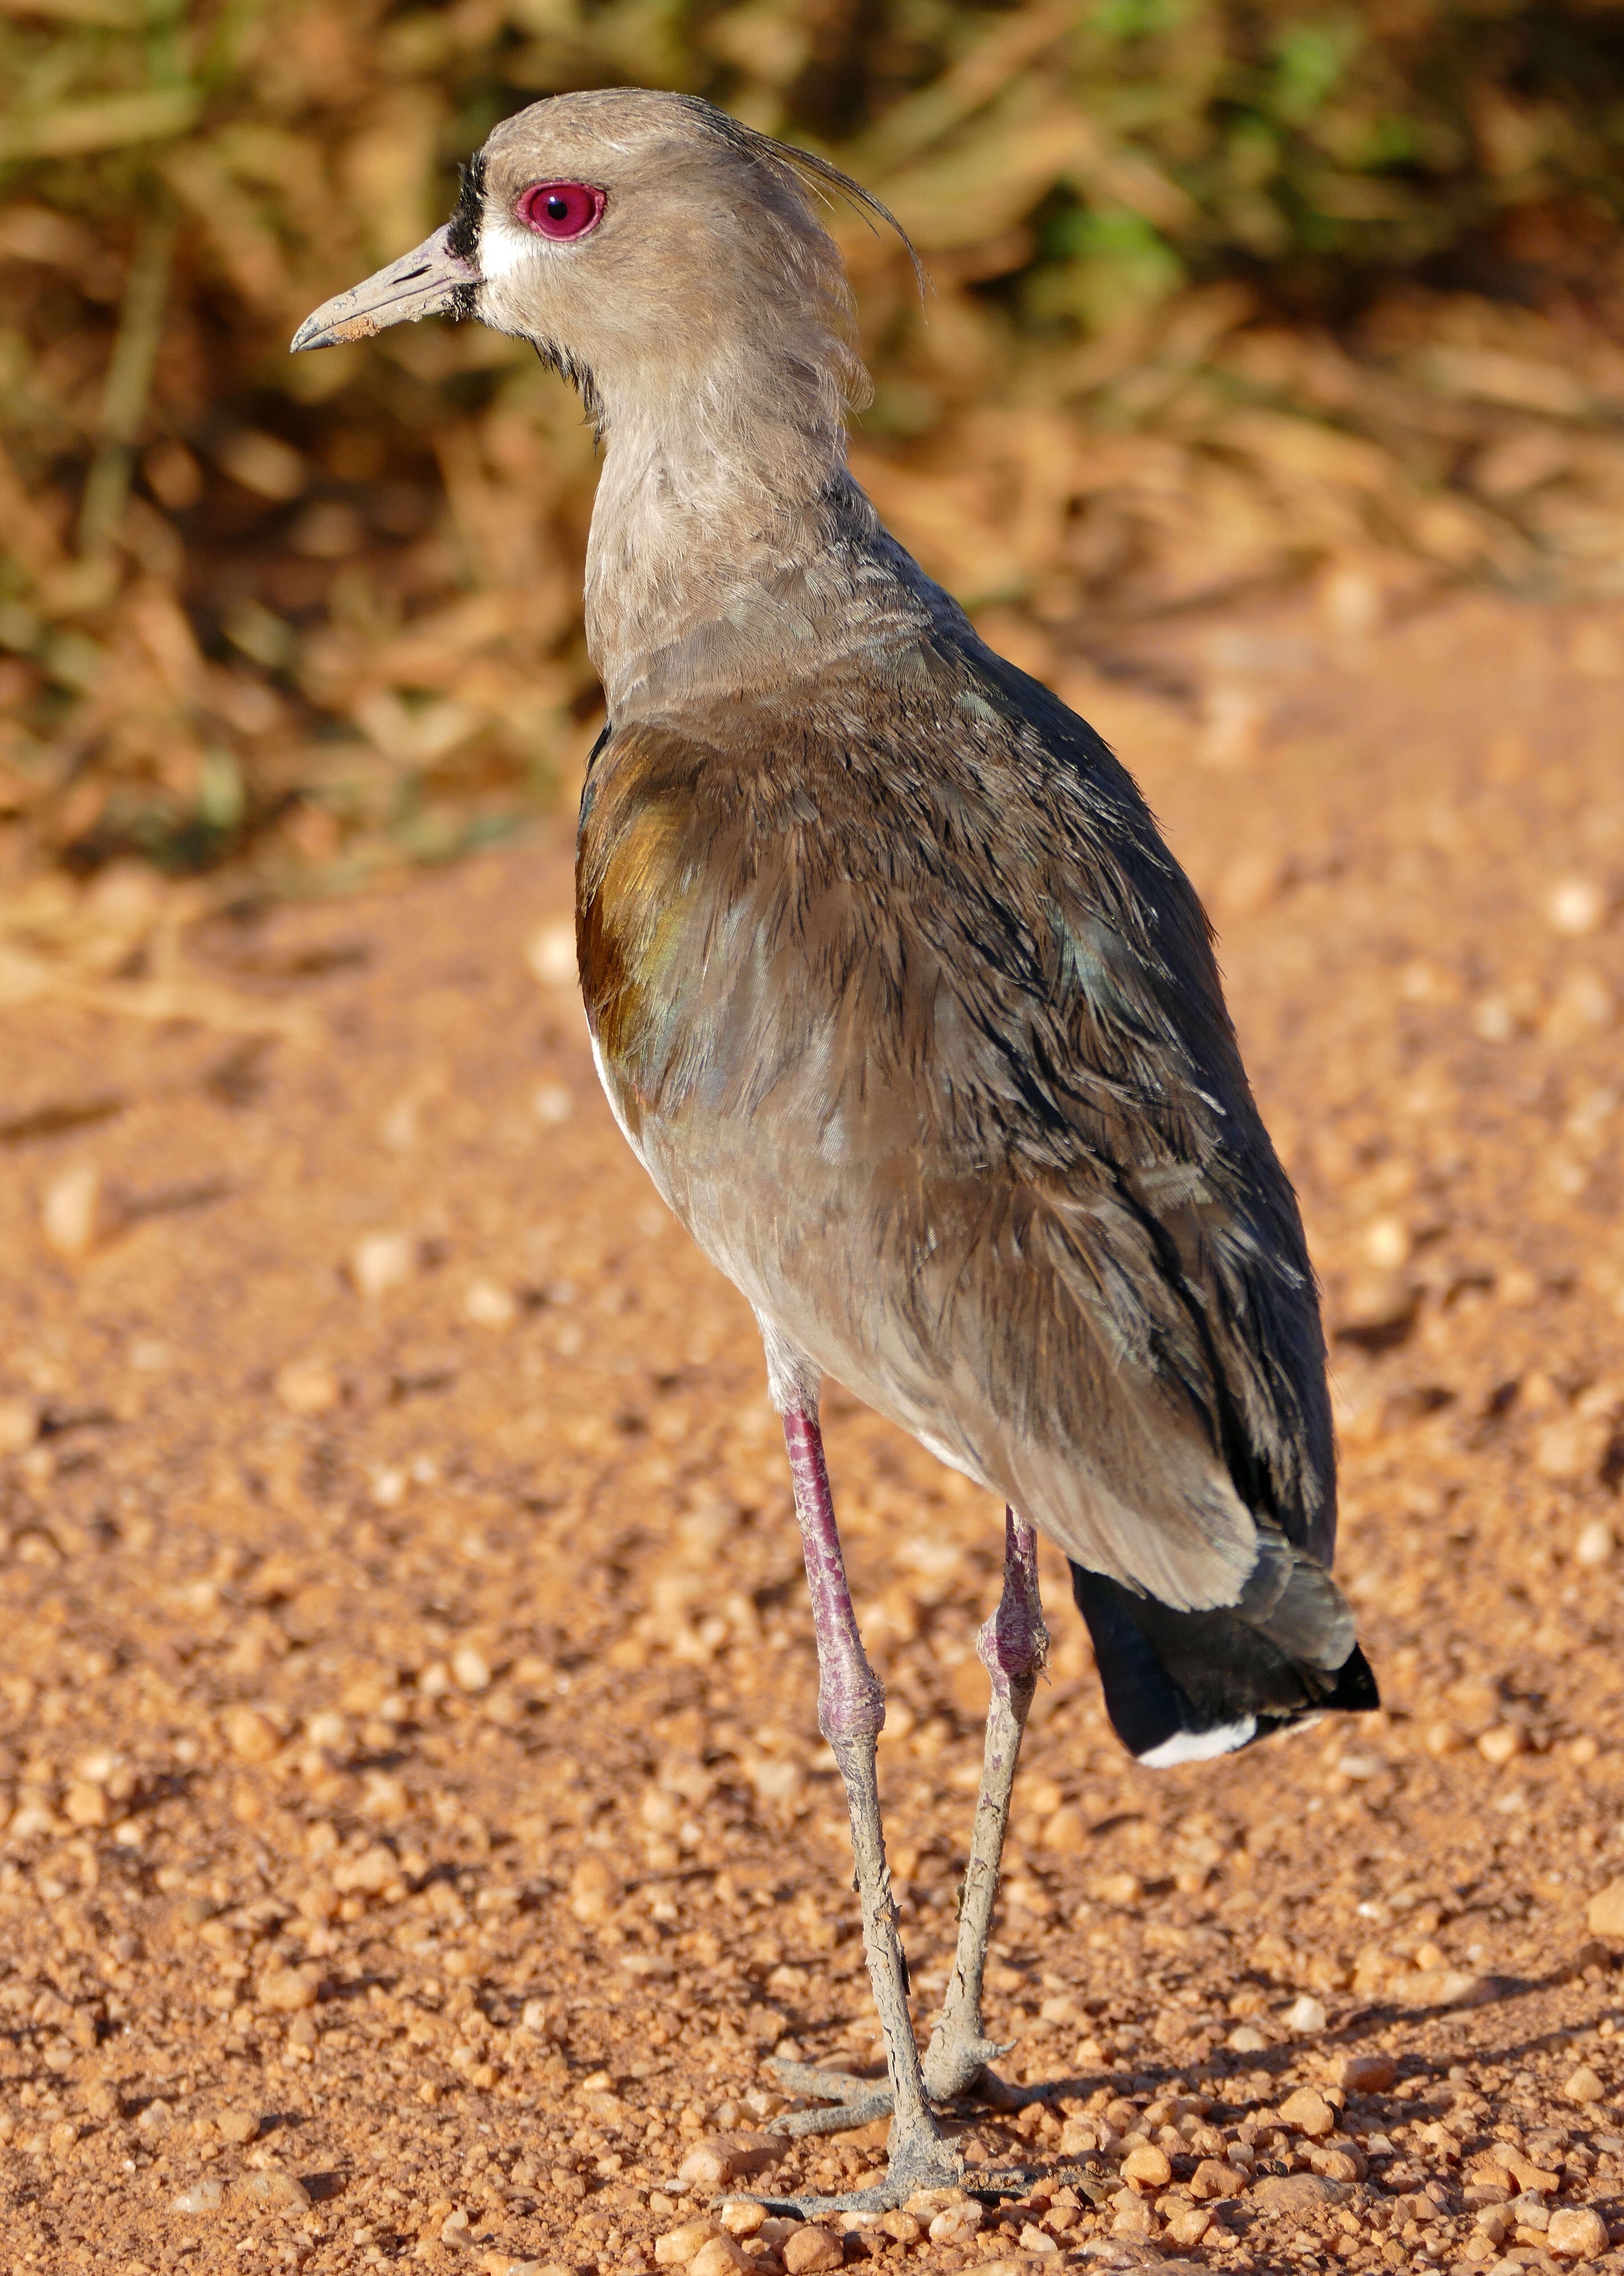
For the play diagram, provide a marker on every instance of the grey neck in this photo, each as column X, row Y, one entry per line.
column 732, row 557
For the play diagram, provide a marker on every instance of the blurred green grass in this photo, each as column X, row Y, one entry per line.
column 1221, row 293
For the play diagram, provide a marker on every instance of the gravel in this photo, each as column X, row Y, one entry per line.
column 407, row 1717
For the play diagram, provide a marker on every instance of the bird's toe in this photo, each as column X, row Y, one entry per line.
column 836, row 2117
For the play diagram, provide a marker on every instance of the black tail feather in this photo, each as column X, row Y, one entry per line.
column 1180, row 1685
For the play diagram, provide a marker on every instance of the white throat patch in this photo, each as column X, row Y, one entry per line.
column 503, row 247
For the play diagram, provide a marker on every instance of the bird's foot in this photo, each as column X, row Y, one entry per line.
column 837, row 2118
column 963, row 2076
column 921, row 2160
column 854, row 2101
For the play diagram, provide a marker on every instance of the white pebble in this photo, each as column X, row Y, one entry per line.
column 1596, row 1544
column 553, row 1103
column 1306, row 2014
column 550, row 952
column 273, row 2187
column 73, row 1213
column 206, row 2195
column 1387, row 1243
column 1576, row 905
column 383, row 1260
column 489, row 1305
column 20, row 1425
column 471, row 1668
column 389, row 1488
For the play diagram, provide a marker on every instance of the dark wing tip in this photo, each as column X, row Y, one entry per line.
column 1185, row 1687
column 1356, row 1692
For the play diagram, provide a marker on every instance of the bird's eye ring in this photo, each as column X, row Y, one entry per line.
column 561, row 209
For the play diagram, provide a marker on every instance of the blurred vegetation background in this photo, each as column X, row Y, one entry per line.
column 1225, row 295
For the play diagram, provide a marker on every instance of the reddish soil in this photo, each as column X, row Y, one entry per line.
column 419, row 1833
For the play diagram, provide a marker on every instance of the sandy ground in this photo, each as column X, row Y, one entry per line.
column 419, row 1838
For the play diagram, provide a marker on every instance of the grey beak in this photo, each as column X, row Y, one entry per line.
column 426, row 283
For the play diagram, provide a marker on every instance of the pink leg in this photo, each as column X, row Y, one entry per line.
column 850, row 1698
column 851, row 1708
column 1012, row 1646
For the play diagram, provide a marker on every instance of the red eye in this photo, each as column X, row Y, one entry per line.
column 561, row 209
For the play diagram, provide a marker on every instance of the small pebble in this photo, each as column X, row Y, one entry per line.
column 370, row 1873
column 20, row 1425
column 1305, row 2112
column 1499, row 1745
column 74, row 1213
column 471, row 1668
column 1604, row 1913
column 679, row 2245
column 1188, row 2224
column 1246, row 2039
column 489, row 1305
column 1596, row 1544
column 594, row 1889
column 957, row 2224
column 207, row 2196
column 1131, row 2215
column 287, row 1989
column 271, row 2186
column 1301, row 2194
column 1149, row 2164
column 1578, row 2233
column 383, row 1260
column 553, row 1103
column 238, row 2125
column 1585, row 2086
column 1306, row 2014
column 1387, row 1243
column 811, row 2249
column 85, row 1805
column 719, row 2256
column 251, row 1736
column 1576, row 905
column 305, row 1386
column 724, row 2158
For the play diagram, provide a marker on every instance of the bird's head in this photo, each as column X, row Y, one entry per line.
column 648, row 244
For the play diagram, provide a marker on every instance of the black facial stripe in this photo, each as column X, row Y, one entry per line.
column 463, row 236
